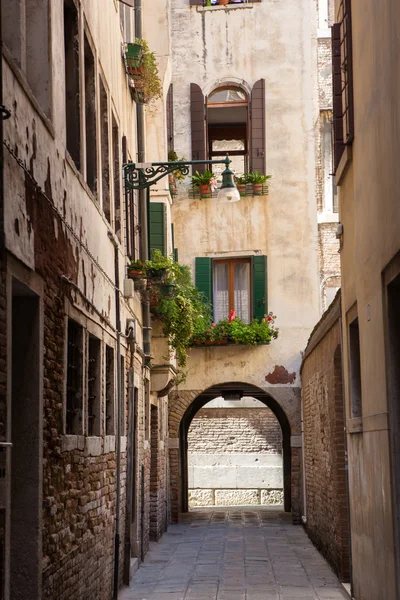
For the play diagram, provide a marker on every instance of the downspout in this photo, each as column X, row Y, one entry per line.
column 144, row 199
column 345, row 449
column 118, row 450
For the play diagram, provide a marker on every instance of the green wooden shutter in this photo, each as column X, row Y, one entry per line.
column 204, row 280
column 158, row 220
column 260, row 297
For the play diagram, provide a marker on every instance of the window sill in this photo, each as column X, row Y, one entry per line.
column 328, row 217
column 91, row 445
column 224, row 344
column 221, row 7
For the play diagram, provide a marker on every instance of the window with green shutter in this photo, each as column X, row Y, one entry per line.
column 238, row 284
column 158, row 221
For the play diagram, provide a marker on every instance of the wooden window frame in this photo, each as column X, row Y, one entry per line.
column 346, row 68
column 209, row 140
column 231, row 262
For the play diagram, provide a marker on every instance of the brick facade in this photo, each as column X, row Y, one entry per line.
column 237, row 431
column 324, row 443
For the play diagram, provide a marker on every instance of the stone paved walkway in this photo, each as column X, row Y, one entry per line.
column 234, row 554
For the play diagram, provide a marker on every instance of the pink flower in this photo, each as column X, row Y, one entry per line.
column 213, row 325
column 232, row 315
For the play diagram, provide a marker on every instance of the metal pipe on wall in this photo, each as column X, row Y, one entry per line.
column 118, row 432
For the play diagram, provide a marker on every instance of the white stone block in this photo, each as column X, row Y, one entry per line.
column 236, row 497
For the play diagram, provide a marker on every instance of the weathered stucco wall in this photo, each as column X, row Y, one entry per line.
column 369, row 211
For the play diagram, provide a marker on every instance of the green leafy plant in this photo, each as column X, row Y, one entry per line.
column 243, row 179
column 185, row 314
column 173, row 157
column 137, row 265
column 234, row 331
column 206, row 178
column 256, row 177
column 148, row 84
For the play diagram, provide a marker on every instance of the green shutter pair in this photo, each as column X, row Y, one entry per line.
column 204, row 282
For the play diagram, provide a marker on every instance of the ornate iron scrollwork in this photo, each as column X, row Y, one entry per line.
column 140, row 178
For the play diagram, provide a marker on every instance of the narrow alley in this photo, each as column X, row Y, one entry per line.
column 238, row 553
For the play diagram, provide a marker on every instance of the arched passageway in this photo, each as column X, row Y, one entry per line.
column 187, row 404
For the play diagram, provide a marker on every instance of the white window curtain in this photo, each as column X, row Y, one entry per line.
column 242, row 291
column 221, row 296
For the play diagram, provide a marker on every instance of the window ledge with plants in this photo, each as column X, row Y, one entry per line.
column 224, row 6
column 205, row 185
column 186, row 314
column 142, row 70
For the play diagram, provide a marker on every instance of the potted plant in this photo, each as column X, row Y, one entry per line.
column 176, row 175
column 133, row 57
column 257, row 180
column 223, row 2
column 135, row 269
column 147, row 83
column 158, row 267
column 241, row 183
column 206, row 182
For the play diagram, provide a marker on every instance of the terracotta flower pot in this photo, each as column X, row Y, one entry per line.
column 223, row 2
column 257, row 189
column 135, row 274
column 205, row 191
column 242, row 188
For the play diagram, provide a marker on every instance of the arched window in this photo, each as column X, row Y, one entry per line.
column 228, row 126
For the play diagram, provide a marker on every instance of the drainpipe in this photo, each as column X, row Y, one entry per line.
column 144, row 200
column 118, row 450
column 345, row 448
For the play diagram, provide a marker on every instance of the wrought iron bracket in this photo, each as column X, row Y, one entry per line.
column 4, row 112
column 139, row 176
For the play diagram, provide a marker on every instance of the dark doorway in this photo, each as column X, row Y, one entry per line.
column 246, row 390
column 393, row 369
column 26, row 431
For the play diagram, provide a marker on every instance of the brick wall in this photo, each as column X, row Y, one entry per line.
column 324, row 450
column 236, row 430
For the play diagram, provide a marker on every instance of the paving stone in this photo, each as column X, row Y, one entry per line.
column 234, row 554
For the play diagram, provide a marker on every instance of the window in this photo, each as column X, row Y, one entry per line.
column 234, row 284
column 104, row 151
column 94, row 386
column 74, row 407
column 227, row 127
column 231, row 288
column 72, row 96
column 125, row 15
column 90, row 118
column 355, row 369
column 342, row 67
column 158, row 226
column 123, row 399
column 147, row 409
column 22, row 20
column 110, row 391
column 117, row 178
column 229, row 120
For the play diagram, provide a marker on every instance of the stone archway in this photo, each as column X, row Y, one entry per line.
column 185, row 404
